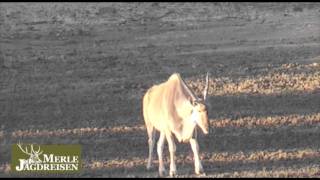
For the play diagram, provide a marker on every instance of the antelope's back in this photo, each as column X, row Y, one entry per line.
column 159, row 104
column 154, row 106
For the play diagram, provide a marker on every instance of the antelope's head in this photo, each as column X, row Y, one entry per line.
column 199, row 113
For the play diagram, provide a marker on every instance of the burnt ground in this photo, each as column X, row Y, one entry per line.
column 75, row 73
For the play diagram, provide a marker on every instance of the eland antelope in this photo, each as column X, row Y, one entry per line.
column 172, row 109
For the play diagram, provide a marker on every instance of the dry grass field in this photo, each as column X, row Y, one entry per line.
column 75, row 73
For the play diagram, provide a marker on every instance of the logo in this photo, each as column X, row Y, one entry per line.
column 46, row 158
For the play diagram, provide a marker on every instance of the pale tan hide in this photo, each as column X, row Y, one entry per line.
column 172, row 108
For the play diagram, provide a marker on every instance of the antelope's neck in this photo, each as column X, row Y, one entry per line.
column 184, row 108
column 185, row 133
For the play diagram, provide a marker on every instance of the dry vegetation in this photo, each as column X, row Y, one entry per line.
column 288, row 78
column 75, row 73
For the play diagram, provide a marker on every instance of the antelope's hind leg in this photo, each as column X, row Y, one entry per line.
column 151, row 142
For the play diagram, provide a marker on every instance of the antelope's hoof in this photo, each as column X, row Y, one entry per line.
column 163, row 173
column 200, row 172
column 173, row 173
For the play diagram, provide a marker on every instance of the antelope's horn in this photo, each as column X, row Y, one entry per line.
column 205, row 92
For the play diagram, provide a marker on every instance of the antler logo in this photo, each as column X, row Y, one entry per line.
column 45, row 158
column 33, row 157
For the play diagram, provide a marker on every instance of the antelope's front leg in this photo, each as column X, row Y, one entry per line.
column 197, row 164
column 172, row 150
column 160, row 144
